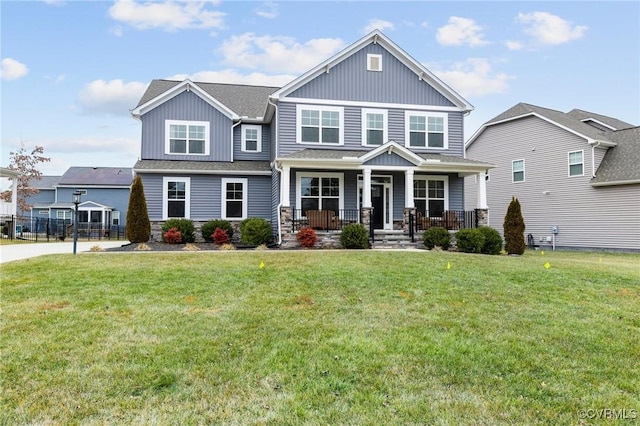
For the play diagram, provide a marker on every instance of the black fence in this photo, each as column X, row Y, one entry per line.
column 47, row 229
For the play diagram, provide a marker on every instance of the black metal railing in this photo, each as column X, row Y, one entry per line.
column 324, row 220
column 449, row 219
column 47, row 229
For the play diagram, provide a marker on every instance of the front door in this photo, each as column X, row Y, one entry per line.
column 381, row 201
column 378, row 204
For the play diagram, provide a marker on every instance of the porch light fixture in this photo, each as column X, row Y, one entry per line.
column 76, row 200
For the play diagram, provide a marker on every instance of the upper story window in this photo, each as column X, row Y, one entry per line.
column 576, row 163
column 517, row 170
column 251, row 138
column 187, row 137
column 426, row 130
column 374, row 127
column 374, row 62
column 320, row 125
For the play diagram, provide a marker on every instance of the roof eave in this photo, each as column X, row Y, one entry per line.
column 617, row 182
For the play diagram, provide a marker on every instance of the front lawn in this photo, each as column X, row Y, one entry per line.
column 320, row 337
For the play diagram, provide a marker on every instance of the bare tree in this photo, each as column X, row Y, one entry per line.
column 26, row 164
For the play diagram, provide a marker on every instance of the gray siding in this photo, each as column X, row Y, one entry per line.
column 185, row 106
column 389, row 160
column 587, row 217
column 265, row 155
column 117, row 198
column 275, row 199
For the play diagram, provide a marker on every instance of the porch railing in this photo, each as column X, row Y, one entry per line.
column 449, row 219
column 324, row 220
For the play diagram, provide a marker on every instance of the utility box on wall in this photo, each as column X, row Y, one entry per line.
column 554, row 229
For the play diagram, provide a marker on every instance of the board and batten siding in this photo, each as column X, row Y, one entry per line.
column 186, row 106
column 587, row 216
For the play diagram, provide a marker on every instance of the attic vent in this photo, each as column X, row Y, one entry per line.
column 374, row 62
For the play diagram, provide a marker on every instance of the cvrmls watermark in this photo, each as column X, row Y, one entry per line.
column 609, row 414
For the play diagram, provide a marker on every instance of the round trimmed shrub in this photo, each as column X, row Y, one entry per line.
column 469, row 240
column 185, row 226
column 492, row 240
column 436, row 236
column 172, row 236
column 354, row 236
column 307, row 237
column 208, row 228
column 255, row 231
column 221, row 237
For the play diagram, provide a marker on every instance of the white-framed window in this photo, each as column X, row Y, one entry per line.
column 251, row 138
column 374, row 127
column 234, row 198
column 82, row 192
column 115, row 218
column 426, row 130
column 431, row 194
column 374, row 62
column 320, row 125
column 176, row 197
column 320, row 191
column 517, row 171
column 63, row 214
column 186, row 137
column 43, row 212
column 576, row 163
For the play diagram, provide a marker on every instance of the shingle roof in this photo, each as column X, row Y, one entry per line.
column 202, row 166
column 102, row 176
column 45, row 182
column 620, row 163
column 609, row 121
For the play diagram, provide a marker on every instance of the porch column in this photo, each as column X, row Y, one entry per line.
column 366, row 188
column 482, row 191
column 408, row 189
column 285, row 186
column 14, row 196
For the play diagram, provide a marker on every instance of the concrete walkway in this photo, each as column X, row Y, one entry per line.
column 11, row 252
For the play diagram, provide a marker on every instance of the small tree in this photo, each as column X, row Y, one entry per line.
column 26, row 164
column 138, row 228
column 514, row 228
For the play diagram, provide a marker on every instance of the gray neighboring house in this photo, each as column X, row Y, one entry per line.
column 576, row 174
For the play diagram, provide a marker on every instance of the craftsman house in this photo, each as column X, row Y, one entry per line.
column 369, row 135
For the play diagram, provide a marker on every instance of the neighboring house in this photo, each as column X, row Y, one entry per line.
column 369, row 135
column 575, row 173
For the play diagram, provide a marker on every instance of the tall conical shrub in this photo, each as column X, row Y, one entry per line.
column 138, row 224
column 514, row 228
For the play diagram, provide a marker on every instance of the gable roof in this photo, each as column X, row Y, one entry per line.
column 377, row 37
column 620, row 164
column 611, row 122
column 97, row 176
column 45, row 182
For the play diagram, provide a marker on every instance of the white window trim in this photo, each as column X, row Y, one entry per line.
column 569, row 164
column 370, row 57
column 223, row 197
column 385, row 124
column 244, row 138
column 426, row 115
column 320, row 175
column 167, row 134
column 115, row 215
column 187, row 196
column 301, row 107
column 524, row 173
column 427, row 178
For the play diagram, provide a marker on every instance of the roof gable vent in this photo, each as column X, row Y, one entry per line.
column 374, row 62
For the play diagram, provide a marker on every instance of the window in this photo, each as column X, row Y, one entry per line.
column 176, row 197
column 187, row 137
column 115, row 219
column 517, row 168
column 374, row 62
column 576, row 163
column 430, row 195
column 425, row 130
column 63, row 214
column 234, row 198
column 251, row 138
column 374, row 127
column 320, row 125
column 320, row 192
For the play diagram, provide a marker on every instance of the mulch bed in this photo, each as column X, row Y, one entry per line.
column 156, row 246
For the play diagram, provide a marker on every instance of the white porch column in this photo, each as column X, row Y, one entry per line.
column 408, row 189
column 285, row 186
column 366, row 188
column 482, row 190
column 14, row 195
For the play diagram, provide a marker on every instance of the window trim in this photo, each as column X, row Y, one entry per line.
column 187, row 196
column 115, row 218
column 370, row 58
column 426, row 115
column 319, row 175
column 385, row 125
column 320, row 109
column 167, row 136
column 257, row 127
column 427, row 178
column 223, row 197
column 513, row 171
column 569, row 164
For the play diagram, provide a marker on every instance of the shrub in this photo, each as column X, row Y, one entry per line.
column 469, row 240
column 514, row 228
column 138, row 229
column 354, row 236
column 492, row 240
column 307, row 237
column 255, row 231
column 185, row 226
column 208, row 228
column 220, row 236
column 437, row 236
column 173, row 236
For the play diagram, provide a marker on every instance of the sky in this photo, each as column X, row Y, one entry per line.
column 71, row 71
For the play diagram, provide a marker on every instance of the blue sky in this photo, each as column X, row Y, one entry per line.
column 72, row 70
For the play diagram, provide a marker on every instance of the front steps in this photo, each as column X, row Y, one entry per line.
column 393, row 240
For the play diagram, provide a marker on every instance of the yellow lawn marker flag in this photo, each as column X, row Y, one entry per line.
column 262, row 264
column 542, row 253
column 448, row 265
column 547, row 265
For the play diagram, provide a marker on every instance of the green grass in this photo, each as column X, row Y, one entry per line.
column 319, row 337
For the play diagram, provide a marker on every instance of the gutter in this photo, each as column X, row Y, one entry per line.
column 275, row 166
column 233, row 127
column 593, row 157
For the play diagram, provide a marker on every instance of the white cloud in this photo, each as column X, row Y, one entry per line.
column 57, row 79
column 167, row 15
column 461, row 31
column 550, row 29
column 12, row 69
column 277, row 53
column 513, row 45
column 230, row 76
column 474, row 77
column 378, row 24
column 269, row 11
column 116, row 31
column 111, row 97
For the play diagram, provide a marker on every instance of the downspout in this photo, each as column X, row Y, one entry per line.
column 275, row 166
column 593, row 158
column 232, row 128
